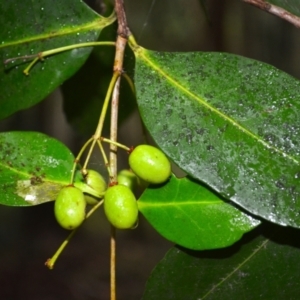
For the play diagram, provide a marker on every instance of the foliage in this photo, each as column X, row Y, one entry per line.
column 256, row 267
column 229, row 122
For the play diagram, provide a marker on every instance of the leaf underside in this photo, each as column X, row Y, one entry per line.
column 187, row 213
column 228, row 121
column 28, row 28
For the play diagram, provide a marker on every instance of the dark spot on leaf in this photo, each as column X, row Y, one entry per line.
column 200, row 131
column 280, row 184
column 35, row 180
column 169, row 112
column 208, row 96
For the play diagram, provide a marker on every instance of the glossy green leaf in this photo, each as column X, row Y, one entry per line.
column 229, row 121
column 188, row 214
column 33, row 168
column 258, row 269
column 29, row 27
column 291, row 6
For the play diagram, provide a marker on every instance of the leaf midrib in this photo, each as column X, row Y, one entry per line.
column 256, row 251
column 27, row 175
column 96, row 24
column 142, row 53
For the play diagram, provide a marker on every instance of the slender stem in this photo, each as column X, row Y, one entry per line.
column 51, row 261
column 104, row 158
column 115, row 143
column 120, row 48
column 42, row 55
column 132, row 42
column 101, row 119
column 130, row 82
column 113, row 178
column 78, row 158
column 123, row 33
column 113, row 291
column 87, row 159
column 123, row 29
column 105, row 106
column 276, row 10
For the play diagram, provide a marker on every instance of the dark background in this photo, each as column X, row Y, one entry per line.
column 29, row 236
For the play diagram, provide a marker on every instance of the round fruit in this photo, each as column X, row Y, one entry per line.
column 95, row 181
column 69, row 207
column 150, row 164
column 94, row 187
column 127, row 178
column 120, row 207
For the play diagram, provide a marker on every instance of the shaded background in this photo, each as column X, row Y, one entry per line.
column 29, row 236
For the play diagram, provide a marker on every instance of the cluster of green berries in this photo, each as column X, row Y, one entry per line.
column 147, row 163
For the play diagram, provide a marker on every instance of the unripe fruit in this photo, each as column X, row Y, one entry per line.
column 93, row 187
column 120, row 207
column 95, row 181
column 150, row 164
column 96, row 185
column 69, row 207
column 127, row 178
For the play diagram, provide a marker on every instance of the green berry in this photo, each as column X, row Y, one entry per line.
column 95, row 181
column 120, row 207
column 150, row 164
column 69, row 207
column 127, row 178
column 93, row 187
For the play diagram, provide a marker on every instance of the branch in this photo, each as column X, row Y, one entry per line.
column 123, row 33
column 275, row 10
column 123, row 29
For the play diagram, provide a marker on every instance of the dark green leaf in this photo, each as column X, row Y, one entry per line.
column 29, row 27
column 259, row 269
column 187, row 213
column 228, row 121
column 33, row 168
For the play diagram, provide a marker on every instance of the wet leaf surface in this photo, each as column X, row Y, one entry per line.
column 33, row 168
column 229, row 121
column 28, row 28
